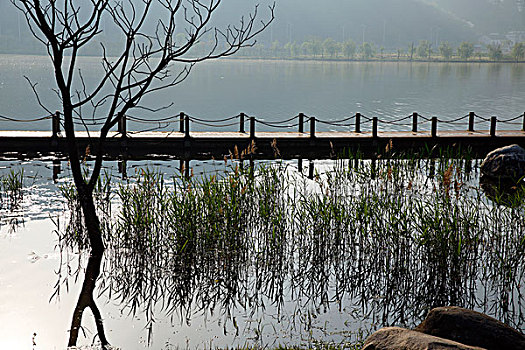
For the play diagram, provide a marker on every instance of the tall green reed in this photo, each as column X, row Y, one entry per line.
column 393, row 237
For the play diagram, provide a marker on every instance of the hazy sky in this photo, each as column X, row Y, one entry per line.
column 389, row 23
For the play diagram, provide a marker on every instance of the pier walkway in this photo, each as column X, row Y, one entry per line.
column 355, row 134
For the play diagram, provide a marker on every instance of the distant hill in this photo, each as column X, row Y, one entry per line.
column 487, row 16
column 388, row 23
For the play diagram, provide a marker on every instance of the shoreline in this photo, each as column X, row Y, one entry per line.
column 373, row 60
column 320, row 60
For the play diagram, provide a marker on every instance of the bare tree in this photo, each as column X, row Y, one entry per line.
column 67, row 27
column 156, row 34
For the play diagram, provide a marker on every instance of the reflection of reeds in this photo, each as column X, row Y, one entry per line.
column 382, row 235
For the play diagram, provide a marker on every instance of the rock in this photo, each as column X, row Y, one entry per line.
column 471, row 328
column 394, row 338
column 505, row 163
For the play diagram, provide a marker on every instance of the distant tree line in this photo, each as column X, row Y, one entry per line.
column 326, row 49
column 330, row 49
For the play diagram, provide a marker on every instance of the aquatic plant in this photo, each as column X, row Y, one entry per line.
column 383, row 241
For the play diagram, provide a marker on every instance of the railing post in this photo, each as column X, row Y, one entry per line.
column 523, row 127
column 374, row 127
column 252, row 127
column 312, row 127
column 434, row 126
column 55, row 124
column 414, row 122
column 181, row 124
column 121, row 126
column 187, row 126
column 301, row 122
column 241, row 122
column 358, row 122
column 493, row 121
column 471, row 117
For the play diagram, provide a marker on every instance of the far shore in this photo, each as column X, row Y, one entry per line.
column 325, row 59
column 370, row 60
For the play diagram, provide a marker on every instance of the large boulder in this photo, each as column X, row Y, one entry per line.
column 471, row 328
column 394, row 338
column 506, row 163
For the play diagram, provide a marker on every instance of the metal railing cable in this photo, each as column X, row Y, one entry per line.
column 17, row 120
column 337, row 122
column 213, row 125
column 424, row 118
column 453, row 121
column 298, row 120
column 278, row 126
column 277, row 122
column 397, row 121
column 510, row 121
column 213, row 120
column 173, row 118
column 482, row 118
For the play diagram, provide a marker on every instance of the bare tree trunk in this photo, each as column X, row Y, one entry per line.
column 91, row 220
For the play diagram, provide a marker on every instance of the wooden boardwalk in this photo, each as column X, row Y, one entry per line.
column 262, row 145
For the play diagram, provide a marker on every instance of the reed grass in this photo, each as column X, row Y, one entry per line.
column 11, row 189
column 387, row 239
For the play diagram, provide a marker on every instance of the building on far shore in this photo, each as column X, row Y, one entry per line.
column 506, row 41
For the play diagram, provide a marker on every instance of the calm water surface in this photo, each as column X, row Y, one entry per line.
column 274, row 90
column 30, row 259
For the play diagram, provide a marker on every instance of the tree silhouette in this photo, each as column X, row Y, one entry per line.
column 156, row 34
column 518, row 51
column 67, row 27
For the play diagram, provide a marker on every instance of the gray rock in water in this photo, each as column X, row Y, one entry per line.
column 471, row 328
column 505, row 163
column 394, row 338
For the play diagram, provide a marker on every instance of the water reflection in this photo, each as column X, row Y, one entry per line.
column 295, row 250
column 445, row 70
column 464, row 71
column 503, row 191
column 516, row 72
column 87, row 300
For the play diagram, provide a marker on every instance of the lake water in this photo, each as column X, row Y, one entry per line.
column 31, row 263
column 277, row 90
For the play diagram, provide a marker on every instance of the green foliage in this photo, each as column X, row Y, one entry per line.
column 465, row 50
column 330, row 47
column 424, row 49
column 348, row 48
column 367, row 50
column 446, row 50
column 518, row 51
column 495, row 52
column 11, row 189
column 416, row 233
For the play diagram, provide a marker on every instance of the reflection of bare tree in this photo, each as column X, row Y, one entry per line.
column 86, row 300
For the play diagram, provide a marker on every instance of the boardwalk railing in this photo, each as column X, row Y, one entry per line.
column 352, row 123
column 183, row 135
